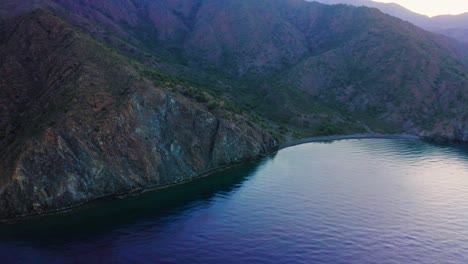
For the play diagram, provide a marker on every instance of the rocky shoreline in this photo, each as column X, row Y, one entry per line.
column 123, row 195
column 97, row 127
column 218, row 169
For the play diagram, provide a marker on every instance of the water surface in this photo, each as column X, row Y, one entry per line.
column 350, row 201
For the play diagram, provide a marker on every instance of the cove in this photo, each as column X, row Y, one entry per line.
column 348, row 201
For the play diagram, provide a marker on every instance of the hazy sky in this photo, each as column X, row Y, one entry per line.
column 433, row 7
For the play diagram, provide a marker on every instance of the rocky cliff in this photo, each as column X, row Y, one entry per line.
column 79, row 122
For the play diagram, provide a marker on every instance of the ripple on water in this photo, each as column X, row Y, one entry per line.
column 350, row 201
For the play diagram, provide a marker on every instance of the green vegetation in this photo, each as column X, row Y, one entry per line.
column 329, row 129
column 212, row 105
column 373, row 74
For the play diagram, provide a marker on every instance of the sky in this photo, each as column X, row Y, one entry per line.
column 433, row 7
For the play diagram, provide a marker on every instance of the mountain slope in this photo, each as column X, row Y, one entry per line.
column 392, row 9
column 460, row 34
column 450, row 25
column 80, row 122
column 392, row 70
column 449, row 21
column 324, row 68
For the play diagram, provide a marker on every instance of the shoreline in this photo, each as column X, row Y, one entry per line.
column 130, row 193
column 346, row 137
column 154, row 188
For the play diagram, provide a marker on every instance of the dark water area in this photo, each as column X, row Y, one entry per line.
column 349, row 201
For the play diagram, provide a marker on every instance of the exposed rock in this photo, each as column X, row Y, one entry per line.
column 80, row 123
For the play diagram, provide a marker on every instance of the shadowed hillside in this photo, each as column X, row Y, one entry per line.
column 326, row 69
column 80, row 122
column 455, row 26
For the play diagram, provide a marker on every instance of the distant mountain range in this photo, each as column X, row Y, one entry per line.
column 101, row 98
column 455, row 26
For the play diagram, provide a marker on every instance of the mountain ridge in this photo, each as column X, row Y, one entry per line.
column 250, row 47
column 454, row 26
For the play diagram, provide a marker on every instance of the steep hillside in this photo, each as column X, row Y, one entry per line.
column 454, row 26
column 261, row 53
column 392, row 9
column 393, row 70
column 450, row 21
column 80, row 122
column 460, row 34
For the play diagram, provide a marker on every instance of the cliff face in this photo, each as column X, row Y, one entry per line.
column 78, row 122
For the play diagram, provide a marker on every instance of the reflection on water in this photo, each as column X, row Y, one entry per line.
column 105, row 216
column 350, row 201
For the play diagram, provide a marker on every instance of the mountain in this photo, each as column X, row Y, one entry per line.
column 455, row 26
column 392, row 9
column 244, row 52
column 460, row 34
column 80, row 122
column 106, row 97
column 326, row 69
column 449, row 21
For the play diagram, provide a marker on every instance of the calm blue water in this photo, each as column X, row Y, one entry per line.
column 352, row 201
